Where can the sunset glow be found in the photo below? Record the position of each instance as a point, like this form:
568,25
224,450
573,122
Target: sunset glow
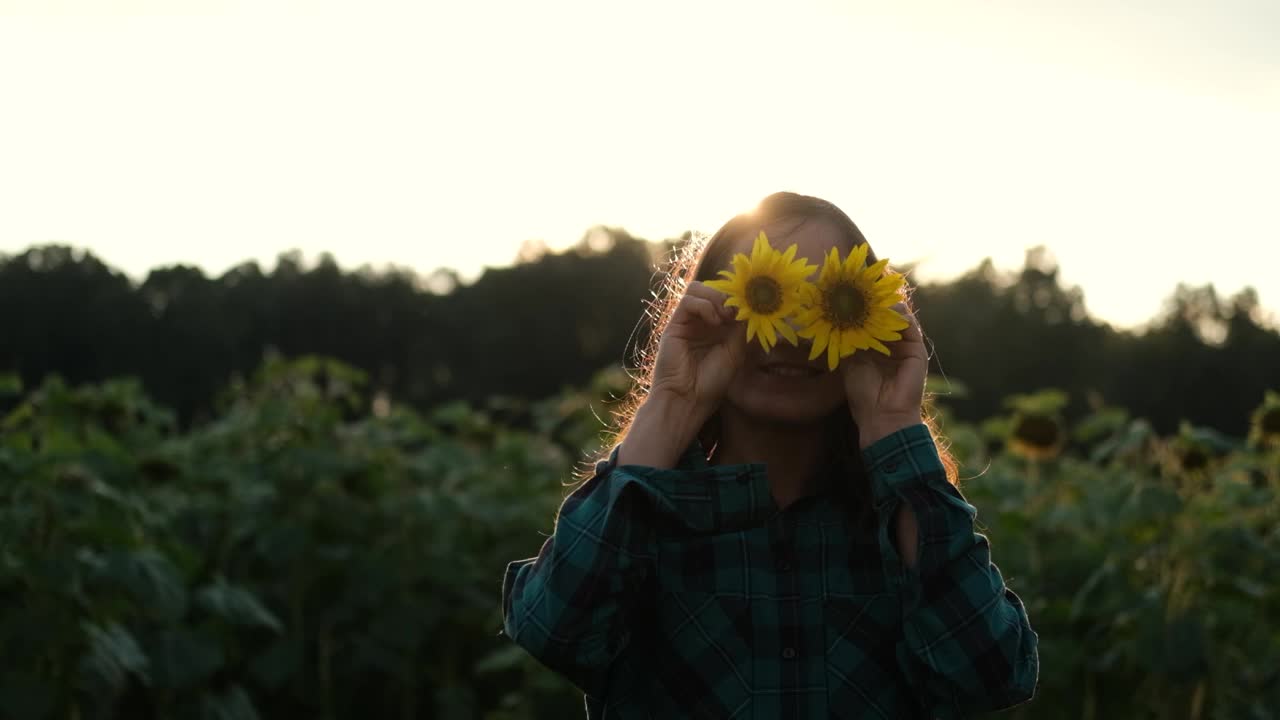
1139,145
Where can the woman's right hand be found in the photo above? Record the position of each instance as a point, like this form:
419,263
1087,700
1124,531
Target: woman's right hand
699,352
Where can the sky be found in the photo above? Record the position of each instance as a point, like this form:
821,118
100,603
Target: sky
1139,141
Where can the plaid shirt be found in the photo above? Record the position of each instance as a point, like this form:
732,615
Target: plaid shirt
689,593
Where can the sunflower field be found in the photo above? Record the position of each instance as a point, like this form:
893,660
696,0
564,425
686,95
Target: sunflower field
312,552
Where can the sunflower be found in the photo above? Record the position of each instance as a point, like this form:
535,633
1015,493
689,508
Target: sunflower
851,307
1037,436
766,288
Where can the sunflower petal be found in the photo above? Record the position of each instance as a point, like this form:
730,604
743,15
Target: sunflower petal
888,279
816,349
833,355
848,342
806,317
874,271
724,286
889,321
857,258
878,346
789,255
770,332
787,331
751,328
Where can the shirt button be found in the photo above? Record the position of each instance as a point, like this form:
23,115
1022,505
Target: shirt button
744,477
784,565
890,466
789,653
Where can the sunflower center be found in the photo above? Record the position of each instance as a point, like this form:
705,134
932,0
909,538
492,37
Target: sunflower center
1038,431
846,306
1194,459
764,295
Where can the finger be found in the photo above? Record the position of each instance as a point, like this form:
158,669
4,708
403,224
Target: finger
698,289
913,331
699,307
715,297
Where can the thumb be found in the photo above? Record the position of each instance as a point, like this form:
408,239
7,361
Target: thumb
861,377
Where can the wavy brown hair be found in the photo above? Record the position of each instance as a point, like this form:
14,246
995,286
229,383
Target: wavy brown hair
700,258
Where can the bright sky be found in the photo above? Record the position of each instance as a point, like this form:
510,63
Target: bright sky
1142,144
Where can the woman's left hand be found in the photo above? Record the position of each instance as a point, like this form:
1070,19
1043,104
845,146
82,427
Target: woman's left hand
886,393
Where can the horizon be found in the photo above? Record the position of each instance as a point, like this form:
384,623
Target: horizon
1136,144
1267,317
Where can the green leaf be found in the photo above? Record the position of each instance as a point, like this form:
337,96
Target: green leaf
1250,587
501,659
151,579
113,655
10,384
237,605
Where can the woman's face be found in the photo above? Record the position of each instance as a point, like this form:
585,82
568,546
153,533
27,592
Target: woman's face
783,385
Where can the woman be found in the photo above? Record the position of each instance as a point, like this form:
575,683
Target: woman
770,539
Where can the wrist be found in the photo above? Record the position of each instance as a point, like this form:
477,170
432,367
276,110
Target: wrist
663,428
874,430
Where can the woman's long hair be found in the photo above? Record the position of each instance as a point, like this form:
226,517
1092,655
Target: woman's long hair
700,259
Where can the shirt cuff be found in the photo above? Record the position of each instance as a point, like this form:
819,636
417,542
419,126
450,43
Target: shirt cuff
902,458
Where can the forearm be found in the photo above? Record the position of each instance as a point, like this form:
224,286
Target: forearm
662,430
947,581
568,605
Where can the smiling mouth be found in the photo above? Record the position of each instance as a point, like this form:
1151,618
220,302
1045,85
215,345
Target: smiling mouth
791,370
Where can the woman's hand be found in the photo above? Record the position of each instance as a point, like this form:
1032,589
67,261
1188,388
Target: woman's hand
700,351
886,393
698,354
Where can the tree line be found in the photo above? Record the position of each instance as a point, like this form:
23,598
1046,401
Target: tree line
553,319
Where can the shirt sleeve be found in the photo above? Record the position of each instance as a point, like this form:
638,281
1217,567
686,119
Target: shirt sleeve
968,643
569,606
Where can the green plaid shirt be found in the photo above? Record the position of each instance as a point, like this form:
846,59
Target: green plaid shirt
689,593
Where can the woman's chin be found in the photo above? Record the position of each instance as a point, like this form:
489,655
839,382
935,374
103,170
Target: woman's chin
790,408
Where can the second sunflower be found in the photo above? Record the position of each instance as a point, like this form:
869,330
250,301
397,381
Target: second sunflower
850,308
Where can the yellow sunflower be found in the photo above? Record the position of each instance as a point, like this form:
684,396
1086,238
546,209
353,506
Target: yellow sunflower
850,308
766,288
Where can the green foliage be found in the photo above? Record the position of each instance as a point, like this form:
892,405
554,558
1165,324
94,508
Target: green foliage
309,553
295,557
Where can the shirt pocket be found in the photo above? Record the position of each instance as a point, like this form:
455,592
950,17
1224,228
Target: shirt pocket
703,658
862,634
